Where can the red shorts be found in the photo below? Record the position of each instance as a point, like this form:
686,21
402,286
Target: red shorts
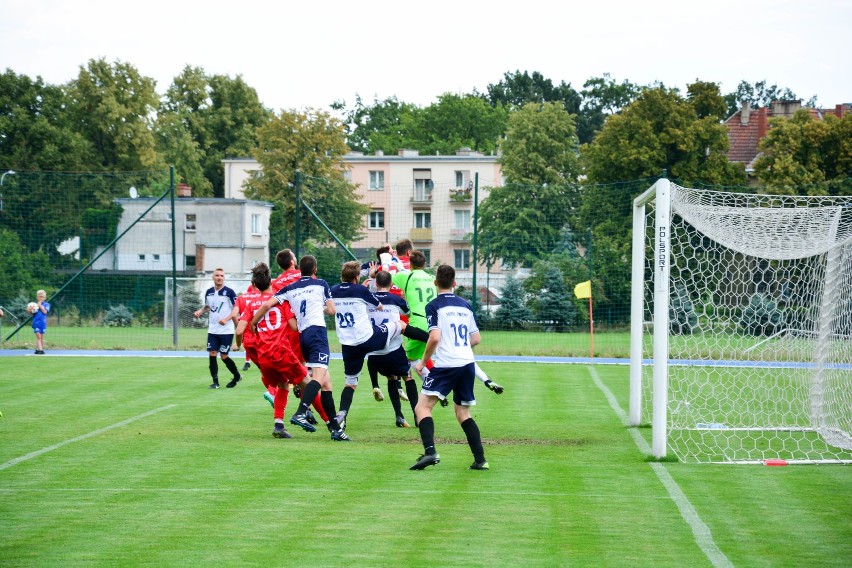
282,371
251,353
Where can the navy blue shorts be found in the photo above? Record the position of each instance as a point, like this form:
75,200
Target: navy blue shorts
220,343
353,355
459,380
393,364
314,343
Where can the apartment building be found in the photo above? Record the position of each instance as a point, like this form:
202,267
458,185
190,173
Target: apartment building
429,199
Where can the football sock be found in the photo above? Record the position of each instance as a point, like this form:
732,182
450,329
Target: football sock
374,374
393,394
471,430
232,367
411,391
280,403
416,333
427,434
318,407
214,368
346,398
308,394
328,405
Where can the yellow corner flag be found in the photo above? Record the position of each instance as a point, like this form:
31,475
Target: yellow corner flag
583,289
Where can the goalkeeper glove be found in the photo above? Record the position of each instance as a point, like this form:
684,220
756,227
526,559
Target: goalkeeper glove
494,386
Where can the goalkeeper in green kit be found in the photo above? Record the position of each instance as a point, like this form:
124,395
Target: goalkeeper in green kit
418,288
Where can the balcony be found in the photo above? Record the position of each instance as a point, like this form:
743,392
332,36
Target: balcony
461,195
421,235
459,235
421,197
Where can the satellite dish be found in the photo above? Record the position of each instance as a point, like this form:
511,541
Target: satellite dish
133,193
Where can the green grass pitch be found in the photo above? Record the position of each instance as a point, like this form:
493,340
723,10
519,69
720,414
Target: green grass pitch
134,462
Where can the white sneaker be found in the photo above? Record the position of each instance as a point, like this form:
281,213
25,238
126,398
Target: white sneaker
377,394
402,395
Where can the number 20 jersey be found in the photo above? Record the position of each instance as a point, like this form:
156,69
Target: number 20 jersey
454,317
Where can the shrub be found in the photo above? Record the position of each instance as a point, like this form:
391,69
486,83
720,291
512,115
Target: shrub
118,316
682,316
762,316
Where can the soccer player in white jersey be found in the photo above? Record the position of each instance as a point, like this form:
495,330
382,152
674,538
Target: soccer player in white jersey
392,362
452,335
310,300
220,300
357,333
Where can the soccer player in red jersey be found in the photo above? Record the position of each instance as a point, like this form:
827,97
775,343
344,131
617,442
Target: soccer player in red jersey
287,261
275,359
239,308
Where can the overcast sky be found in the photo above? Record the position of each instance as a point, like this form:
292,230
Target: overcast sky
311,53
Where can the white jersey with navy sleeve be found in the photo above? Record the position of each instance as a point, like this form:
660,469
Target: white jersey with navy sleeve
352,302
393,307
307,297
454,317
220,302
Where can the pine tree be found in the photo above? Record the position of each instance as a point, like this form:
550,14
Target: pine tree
513,311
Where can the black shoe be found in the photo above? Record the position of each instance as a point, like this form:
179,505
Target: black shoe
482,466
444,402
426,460
340,436
302,422
309,416
402,423
246,366
234,382
297,390
214,386
280,431
39,352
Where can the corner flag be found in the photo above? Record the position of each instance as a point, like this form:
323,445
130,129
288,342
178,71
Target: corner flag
583,289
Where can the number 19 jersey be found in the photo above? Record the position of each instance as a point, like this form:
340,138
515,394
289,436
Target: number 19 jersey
454,317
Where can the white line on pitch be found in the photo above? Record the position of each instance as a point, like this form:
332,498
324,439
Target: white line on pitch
300,489
97,432
703,537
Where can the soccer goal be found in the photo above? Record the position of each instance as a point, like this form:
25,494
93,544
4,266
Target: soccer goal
741,325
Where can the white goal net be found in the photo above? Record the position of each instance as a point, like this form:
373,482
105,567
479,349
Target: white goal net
741,340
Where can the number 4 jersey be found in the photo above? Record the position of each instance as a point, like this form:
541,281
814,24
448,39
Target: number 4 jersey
454,317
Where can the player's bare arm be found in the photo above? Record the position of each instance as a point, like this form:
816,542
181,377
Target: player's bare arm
431,346
329,308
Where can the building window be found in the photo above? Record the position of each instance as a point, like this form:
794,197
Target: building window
156,258
141,258
462,259
377,219
423,219
189,262
190,222
423,189
428,254
377,179
461,178
255,223
462,219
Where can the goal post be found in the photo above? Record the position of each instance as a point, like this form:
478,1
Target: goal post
741,325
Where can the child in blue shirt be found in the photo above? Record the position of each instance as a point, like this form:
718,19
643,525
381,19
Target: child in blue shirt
40,320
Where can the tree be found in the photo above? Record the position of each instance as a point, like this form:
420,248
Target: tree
384,126
311,142
22,272
602,96
522,220
552,303
459,121
37,133
112,106
659,131
759,95
205,119
804,155
513,310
